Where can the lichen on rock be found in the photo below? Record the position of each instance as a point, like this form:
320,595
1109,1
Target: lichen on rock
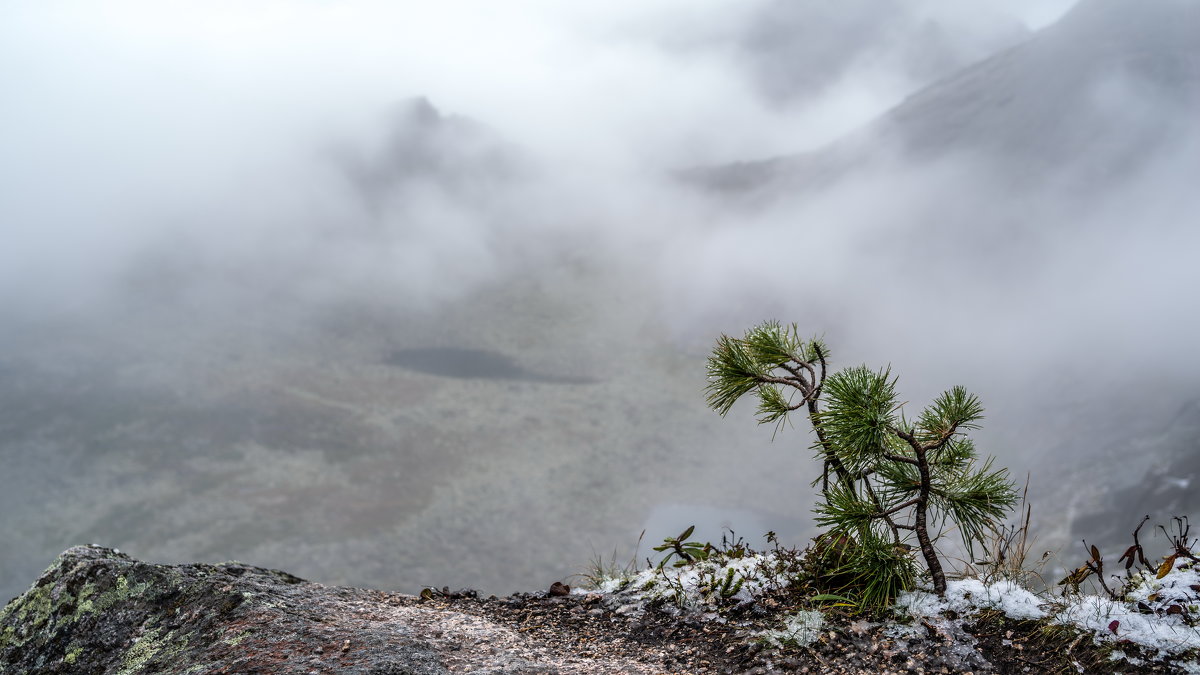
96,610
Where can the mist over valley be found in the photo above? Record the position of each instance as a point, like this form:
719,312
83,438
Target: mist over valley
393,297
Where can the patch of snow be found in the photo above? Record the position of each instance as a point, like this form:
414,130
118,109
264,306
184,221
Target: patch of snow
801,629
1150,624
1111,620
1174,588
1119,655
1154,614
967,596
903,631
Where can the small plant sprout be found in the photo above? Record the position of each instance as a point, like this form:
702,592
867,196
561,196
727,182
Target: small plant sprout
686,551
601,570
886,479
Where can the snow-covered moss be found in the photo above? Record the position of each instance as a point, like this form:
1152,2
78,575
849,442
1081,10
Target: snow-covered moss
717,579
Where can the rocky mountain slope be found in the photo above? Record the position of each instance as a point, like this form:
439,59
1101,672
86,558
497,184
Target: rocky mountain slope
1099,93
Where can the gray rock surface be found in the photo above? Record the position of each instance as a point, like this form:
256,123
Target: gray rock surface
96,610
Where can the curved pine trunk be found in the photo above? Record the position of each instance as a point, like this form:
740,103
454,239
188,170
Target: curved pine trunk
922,528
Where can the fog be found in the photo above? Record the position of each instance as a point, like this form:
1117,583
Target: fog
239,240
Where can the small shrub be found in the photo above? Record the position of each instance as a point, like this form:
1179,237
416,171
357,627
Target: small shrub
886,479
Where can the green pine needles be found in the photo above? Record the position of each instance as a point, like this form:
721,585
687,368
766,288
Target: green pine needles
887,479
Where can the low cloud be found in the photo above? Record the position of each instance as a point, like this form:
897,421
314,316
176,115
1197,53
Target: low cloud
204,150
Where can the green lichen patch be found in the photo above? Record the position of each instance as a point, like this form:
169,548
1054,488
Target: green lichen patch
87,591
28,615
72,655
237,639
100,612
143,650
157,652
121,592
70,591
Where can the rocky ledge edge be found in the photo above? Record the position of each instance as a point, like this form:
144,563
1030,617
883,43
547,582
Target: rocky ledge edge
96,610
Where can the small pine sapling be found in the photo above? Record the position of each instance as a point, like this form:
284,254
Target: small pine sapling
893,479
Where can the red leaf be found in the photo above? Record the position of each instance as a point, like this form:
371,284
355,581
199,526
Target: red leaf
1113,625
1128,555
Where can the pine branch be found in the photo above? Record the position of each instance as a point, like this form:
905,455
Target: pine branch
858,413
974,500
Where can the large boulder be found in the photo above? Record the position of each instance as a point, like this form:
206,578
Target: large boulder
96,610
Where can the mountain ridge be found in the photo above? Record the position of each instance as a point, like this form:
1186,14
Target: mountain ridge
1081,91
